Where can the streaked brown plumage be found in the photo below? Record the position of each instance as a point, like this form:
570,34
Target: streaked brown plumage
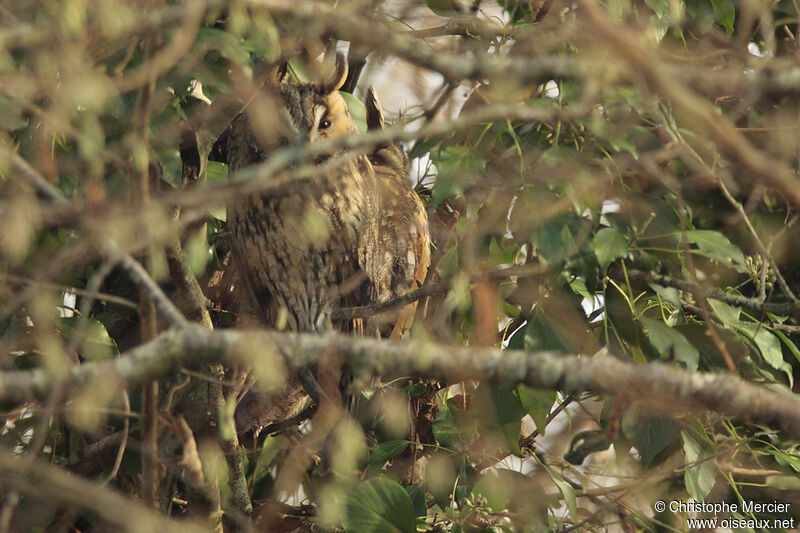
403,234
350,232
353,233
310,246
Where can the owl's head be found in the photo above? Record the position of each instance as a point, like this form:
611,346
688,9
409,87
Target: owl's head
316,110
390,156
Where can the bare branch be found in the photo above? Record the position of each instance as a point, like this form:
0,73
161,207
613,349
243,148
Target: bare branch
656,386
52,484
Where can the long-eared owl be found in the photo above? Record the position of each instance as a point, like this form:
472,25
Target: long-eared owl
403,233
349,232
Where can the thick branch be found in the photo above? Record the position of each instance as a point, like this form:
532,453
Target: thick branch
655,385
52,484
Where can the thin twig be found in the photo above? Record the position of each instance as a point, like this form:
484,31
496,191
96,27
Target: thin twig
154,292
754,304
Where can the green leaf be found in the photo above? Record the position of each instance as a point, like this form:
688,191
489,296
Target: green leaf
96,342
699,479
781,482
566,490
609,245
670,294
216,171
493,489
537,403
416,492
273,445
422,147
670,342
384,452
792,460
458,166
769,346
551,237
415,389
724,14
228,45
357,110
379,505
649,435
449,266
788,343
443,8
497,406
445,429
540,333
728,314
624,144
715,245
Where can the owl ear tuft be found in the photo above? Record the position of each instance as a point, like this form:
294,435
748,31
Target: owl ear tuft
375,120
339,76
281,73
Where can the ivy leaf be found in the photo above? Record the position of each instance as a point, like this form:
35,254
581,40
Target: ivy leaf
384,452
537,403
728,314
416,492
769,346
724,14
566,490
379,505
494,489
715,245
445,429
649,435
273,445
357,110
699,479
229,46
216,171
789,344
497,406
669,341
96,342
443,8
457,166
609,245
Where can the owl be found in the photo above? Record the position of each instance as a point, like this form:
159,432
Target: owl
403,232
349,231
311,245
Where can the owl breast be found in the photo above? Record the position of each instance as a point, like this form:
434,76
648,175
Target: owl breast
304,249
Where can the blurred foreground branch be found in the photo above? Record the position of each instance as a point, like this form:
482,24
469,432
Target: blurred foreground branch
658,387
51,483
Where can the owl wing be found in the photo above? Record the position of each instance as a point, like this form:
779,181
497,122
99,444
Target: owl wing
405,241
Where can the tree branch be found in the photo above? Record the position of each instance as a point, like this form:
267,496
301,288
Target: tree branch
656,386
754,304
52,484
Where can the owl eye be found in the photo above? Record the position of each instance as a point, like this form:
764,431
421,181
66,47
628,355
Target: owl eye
325,124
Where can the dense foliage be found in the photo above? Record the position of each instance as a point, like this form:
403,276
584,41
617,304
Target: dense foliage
609,180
